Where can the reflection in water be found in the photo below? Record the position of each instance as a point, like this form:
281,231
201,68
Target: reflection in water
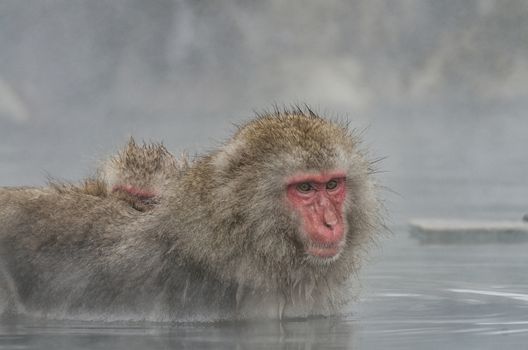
514,296
295,334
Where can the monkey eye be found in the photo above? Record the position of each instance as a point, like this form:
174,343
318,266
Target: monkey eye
331,185
304,187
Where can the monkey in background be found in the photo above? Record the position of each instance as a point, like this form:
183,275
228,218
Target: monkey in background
272,224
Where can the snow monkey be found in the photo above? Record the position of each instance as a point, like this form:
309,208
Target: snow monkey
271,224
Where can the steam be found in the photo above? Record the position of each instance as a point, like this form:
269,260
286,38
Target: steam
11,105
430,78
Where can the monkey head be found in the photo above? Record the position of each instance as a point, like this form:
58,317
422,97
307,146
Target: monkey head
304,189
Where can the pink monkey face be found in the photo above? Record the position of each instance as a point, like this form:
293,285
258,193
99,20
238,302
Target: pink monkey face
318,200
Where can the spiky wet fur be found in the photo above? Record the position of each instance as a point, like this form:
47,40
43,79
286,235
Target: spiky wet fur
220,240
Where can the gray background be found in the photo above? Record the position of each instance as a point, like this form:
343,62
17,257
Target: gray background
440,87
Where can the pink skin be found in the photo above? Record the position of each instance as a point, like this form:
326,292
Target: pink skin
134,191
320,210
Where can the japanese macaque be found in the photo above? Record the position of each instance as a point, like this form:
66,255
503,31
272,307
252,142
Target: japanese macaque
272,224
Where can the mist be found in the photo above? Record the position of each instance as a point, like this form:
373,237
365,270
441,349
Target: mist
439,88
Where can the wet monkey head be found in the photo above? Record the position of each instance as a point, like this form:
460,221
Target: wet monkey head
305,185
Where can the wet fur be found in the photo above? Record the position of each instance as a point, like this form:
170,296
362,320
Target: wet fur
218,240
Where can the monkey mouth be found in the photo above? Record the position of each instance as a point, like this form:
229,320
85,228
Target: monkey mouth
324,251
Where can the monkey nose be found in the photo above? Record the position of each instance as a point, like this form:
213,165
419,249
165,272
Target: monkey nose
330,218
